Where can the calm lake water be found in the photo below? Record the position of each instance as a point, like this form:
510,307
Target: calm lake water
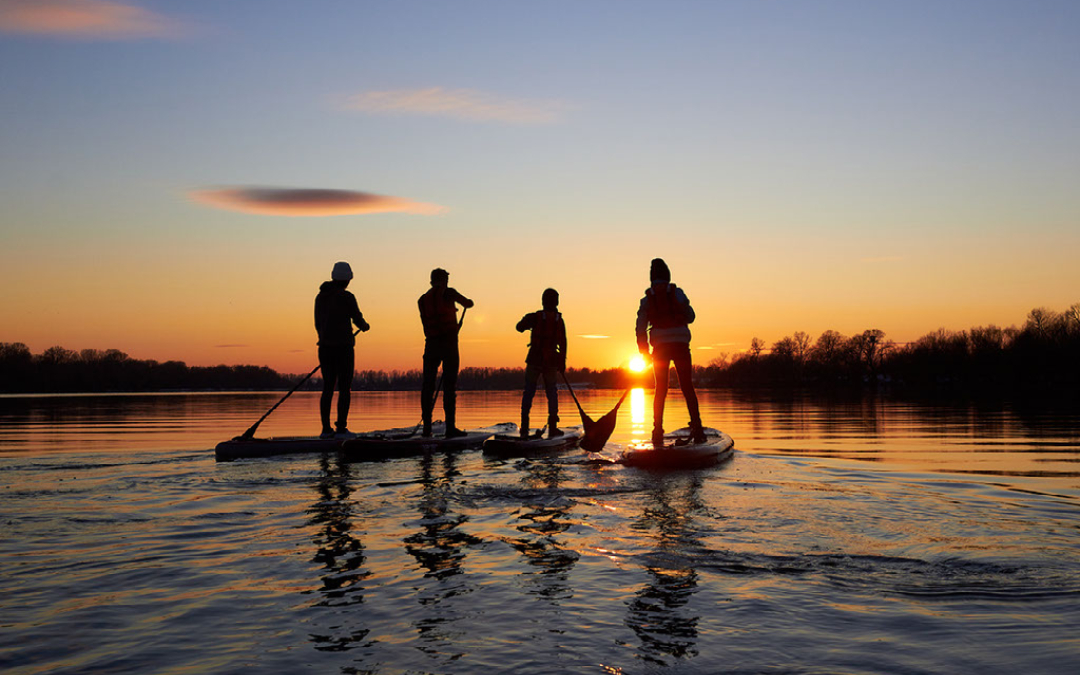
858,536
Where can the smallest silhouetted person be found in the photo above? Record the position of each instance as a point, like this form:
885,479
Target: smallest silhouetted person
546,357
438,314
335,313
663,321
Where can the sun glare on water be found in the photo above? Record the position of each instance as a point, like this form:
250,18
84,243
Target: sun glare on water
637,364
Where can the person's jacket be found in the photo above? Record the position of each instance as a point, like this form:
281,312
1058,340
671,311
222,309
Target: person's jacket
438,311
664,316
335,313
547,346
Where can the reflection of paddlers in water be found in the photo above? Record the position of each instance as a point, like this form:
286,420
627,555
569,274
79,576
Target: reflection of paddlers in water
663,321
438,313
335,313
546,357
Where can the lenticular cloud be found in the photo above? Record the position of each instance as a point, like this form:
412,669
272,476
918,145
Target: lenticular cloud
308,202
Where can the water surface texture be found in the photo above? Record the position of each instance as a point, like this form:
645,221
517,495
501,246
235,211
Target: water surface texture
861,536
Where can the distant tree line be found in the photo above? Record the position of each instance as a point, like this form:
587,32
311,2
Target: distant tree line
1042,355
59,370
492,379
91,370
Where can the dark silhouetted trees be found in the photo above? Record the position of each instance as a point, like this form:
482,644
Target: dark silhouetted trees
1043,356
90,370
492,379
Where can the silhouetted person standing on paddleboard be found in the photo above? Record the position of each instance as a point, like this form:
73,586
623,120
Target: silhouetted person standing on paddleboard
663,321
335,313
438,313
546,357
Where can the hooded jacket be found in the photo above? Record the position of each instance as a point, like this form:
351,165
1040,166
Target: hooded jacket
664,316
335,313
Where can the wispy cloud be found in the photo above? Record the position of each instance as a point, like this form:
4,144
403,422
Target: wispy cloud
229,346
270,201
87,19
464,104
595,337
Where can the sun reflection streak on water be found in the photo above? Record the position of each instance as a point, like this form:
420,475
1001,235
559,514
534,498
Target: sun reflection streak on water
637,411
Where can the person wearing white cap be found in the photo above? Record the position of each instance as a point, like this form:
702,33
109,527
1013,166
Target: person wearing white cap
335,313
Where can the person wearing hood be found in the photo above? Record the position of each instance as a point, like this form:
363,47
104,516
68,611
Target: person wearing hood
546,357
438,314
335,313
663,322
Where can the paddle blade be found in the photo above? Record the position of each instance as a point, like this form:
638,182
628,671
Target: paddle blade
597,433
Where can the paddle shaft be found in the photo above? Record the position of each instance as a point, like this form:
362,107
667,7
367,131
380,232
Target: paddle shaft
251,431
572,394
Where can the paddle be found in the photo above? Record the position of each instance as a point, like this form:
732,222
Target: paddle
250,433
596,433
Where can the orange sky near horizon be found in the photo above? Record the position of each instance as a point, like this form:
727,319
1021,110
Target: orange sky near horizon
163,310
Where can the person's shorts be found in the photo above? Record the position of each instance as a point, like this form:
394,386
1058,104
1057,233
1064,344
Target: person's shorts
671,351
337,363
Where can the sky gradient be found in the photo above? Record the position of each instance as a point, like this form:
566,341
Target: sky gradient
177,178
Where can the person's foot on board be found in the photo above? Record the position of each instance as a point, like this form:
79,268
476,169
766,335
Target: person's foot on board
697,435
524,433
426,433
326,435
344,434
454,432
555,432
658,438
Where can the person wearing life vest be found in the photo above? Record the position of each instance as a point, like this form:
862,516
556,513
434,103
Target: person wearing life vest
335,313
438,314
546,357
663,321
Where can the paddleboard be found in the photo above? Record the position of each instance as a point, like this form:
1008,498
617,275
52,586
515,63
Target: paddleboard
388,445
513,445
679,453
391,442
246,448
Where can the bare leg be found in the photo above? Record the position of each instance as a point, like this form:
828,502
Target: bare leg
660,372
685,371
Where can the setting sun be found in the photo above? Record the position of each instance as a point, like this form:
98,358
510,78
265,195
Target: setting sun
637,364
